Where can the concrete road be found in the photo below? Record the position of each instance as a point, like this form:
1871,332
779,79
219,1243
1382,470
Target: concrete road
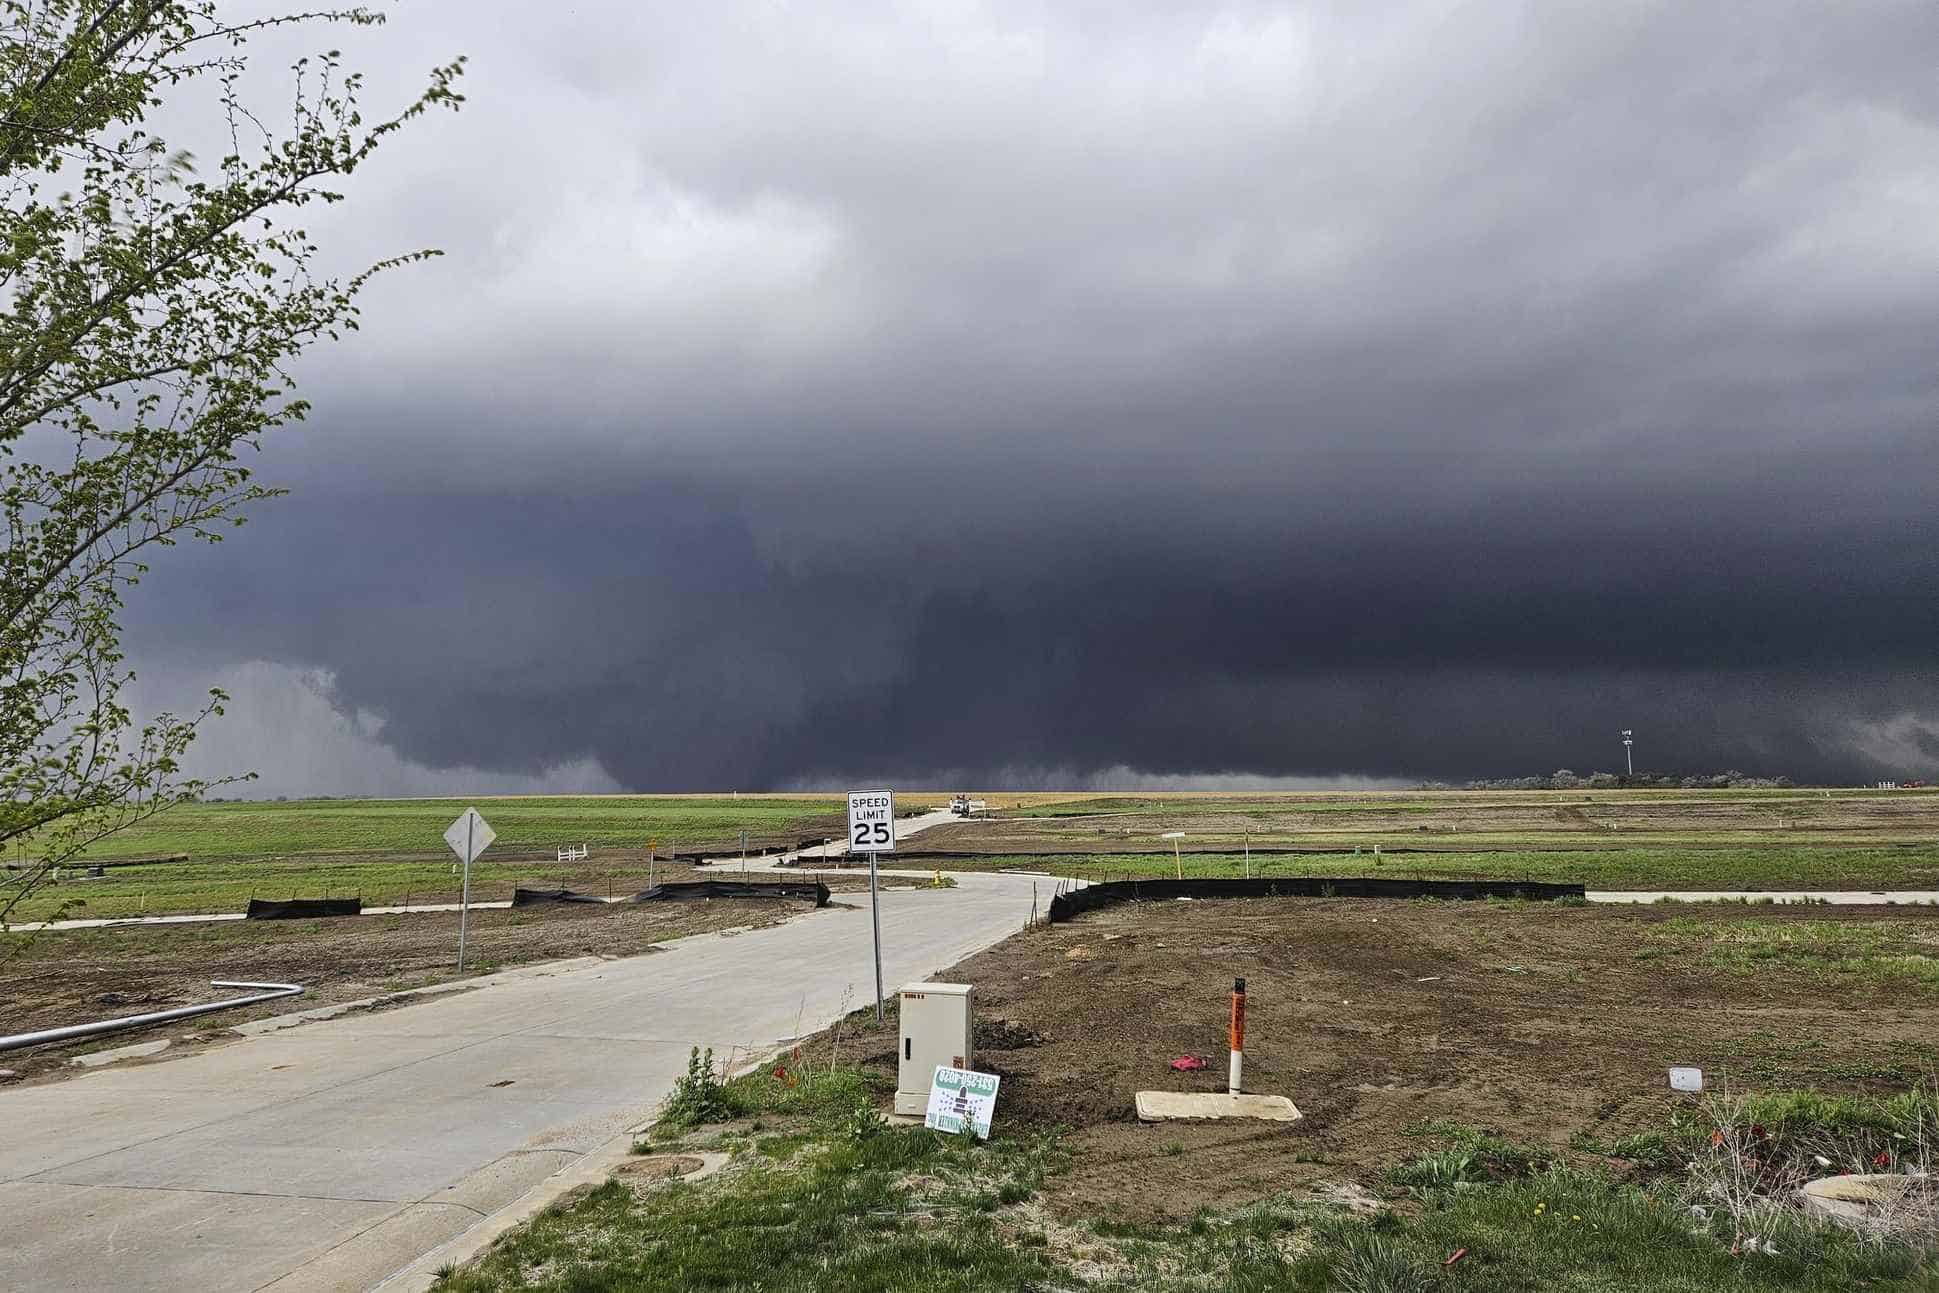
330,1155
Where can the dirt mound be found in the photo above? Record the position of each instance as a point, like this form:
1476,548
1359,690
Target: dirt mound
1004,1035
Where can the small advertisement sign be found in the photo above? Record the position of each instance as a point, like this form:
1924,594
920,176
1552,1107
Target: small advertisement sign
959,1096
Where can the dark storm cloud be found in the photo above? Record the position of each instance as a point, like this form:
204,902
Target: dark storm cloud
1417,390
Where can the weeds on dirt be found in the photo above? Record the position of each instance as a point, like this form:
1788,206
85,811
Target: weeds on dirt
1555,1228
1894,955
1565,1228
1473,1156
1374,1263
1744,1177
1819,1133
1652,1152
787,1087
1722,1210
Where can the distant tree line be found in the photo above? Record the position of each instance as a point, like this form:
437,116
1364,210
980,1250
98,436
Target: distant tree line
1563,779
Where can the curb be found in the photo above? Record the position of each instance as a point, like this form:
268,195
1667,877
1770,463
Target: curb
591,1168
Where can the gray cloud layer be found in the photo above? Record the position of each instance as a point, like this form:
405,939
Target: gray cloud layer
1419,389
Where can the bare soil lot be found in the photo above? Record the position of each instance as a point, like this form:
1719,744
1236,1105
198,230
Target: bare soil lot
74,976
1377,1017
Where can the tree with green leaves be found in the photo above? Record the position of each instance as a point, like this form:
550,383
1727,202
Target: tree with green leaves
152,305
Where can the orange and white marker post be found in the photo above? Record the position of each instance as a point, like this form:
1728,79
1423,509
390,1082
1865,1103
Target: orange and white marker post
1238,1033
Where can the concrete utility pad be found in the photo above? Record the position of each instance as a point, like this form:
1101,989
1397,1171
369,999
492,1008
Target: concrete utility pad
1867,1199
1169,1106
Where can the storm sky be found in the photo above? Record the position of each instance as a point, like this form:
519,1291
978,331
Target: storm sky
1087,394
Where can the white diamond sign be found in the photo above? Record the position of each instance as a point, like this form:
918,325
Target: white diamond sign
469,836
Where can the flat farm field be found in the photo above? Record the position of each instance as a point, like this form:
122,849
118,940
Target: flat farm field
1640,839
525,824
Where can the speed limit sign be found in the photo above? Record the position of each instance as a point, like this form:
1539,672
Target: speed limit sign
871,821
871,830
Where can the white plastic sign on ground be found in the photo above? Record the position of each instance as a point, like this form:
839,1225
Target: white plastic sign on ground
959,1096
871,821
469,835
1682,1079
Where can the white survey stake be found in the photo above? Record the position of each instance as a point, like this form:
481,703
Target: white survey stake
871,821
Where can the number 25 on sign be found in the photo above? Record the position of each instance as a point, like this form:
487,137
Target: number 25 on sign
871,821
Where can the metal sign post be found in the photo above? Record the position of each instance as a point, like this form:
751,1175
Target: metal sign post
871,830
469,836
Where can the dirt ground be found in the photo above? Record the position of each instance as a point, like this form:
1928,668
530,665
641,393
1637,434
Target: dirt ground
1376,1016
79,975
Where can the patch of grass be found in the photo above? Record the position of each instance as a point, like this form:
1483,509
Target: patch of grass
228,885
1556,1229
781,1147
1853,1131
1472,1156
257,828
387,851
1651,1151
801,1091
1785,1061
1694,866
895,1209
1372,1262
1900,954
1564,1229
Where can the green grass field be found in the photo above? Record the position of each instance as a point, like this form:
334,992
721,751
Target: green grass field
1776,867
388,851
228,885
413,826
1425,801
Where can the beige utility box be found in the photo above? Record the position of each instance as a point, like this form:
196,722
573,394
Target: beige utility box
938,1029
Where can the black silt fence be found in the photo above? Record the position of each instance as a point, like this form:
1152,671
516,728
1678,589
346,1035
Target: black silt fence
807,891
533,897
1075,902
303,908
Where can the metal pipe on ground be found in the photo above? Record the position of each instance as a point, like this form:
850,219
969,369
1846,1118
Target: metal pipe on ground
74,1032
